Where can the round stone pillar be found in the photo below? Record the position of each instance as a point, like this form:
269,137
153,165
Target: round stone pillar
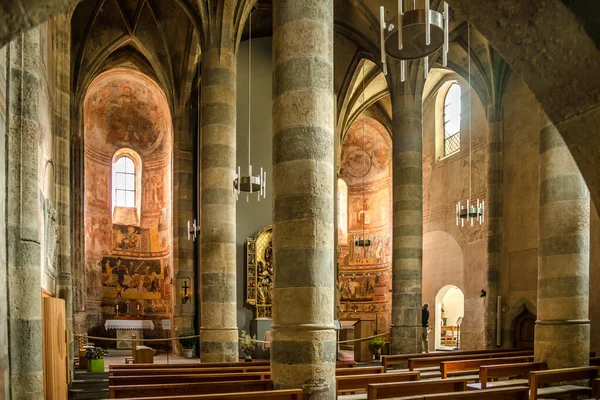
562,330
218,322
23,219
407,254
304,342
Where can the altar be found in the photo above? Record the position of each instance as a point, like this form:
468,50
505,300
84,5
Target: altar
127,327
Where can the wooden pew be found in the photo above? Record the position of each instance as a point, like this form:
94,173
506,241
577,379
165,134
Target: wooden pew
595,361
537,380
182,378
188,388
402,359
195,365
596,388
339,364
461,366
510,393
414,363
389,390
288,394
174,371
506,371
358,371
355,383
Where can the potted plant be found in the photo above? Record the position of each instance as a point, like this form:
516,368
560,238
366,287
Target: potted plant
376,344
187,343
247,345
95,359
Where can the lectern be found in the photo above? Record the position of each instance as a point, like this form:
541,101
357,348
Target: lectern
363,328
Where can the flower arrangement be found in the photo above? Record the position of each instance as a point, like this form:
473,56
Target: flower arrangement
377,343
246,343
95,353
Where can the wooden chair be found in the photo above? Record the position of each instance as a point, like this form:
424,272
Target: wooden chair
390,390
538,379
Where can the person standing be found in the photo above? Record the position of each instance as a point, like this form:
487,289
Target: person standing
425,327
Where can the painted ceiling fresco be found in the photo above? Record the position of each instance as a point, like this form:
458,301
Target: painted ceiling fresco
126,108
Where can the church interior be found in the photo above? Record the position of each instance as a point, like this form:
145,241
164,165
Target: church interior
303,188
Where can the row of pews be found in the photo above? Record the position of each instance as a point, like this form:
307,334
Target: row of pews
484,374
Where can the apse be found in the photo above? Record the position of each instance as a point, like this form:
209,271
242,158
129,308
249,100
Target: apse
128,202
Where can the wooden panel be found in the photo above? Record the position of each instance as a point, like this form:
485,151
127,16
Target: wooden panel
54,349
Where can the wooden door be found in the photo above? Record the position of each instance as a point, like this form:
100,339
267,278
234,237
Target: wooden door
524,330
55,349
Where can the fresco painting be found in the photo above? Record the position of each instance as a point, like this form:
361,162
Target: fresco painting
135,279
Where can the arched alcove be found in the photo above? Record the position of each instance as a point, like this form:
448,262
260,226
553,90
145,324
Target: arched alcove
450,307
128,244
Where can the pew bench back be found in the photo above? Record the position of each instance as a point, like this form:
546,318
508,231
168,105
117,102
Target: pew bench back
457,366
414,363
390,390
538,379
288,394
188,388
355,383
520,370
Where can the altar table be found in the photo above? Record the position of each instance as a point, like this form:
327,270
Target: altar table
127,327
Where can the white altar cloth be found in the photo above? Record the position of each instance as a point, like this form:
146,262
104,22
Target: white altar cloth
129,324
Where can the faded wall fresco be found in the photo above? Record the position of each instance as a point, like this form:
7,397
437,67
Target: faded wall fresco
128,249
364,282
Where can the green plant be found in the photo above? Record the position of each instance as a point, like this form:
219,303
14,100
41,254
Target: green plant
246,342
96,353
377,343
186,341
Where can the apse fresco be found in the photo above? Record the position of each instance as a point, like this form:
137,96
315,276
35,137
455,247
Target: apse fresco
135,279
364,281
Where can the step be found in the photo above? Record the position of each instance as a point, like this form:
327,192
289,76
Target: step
84,375
90,384
82,394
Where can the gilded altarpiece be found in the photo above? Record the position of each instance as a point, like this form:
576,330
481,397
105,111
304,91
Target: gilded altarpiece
259,272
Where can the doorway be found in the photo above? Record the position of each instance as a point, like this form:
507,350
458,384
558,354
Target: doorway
524,330
449,309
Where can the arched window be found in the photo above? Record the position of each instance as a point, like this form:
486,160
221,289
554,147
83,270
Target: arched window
452,108
342,212
124,193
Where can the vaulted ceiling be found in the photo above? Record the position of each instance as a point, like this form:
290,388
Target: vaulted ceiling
155,37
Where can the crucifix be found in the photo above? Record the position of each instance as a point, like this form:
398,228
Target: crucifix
186,295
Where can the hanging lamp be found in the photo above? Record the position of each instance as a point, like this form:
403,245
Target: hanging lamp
250,183
363,241
473,211
412,34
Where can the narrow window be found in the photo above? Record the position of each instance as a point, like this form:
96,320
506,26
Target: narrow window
342,211
124,183
452,109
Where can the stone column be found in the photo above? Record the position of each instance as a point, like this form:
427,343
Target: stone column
303,348
218,325
407,254
23,217
562,330
493,210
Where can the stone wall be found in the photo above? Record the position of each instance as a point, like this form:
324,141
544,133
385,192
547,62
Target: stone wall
523,119
4,367
453,255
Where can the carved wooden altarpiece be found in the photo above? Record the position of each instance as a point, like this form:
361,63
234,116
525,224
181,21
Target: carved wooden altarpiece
259,272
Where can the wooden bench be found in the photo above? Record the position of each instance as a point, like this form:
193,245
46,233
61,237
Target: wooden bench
195,365
596,388
389,390
511,375
414,363
595,361
355,383
358,371
188,388
537,380
182,378
461,366
288,394
174,371
402,359
510,393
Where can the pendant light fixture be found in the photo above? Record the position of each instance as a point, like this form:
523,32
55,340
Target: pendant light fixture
250,183
364,240
473,211
413,34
